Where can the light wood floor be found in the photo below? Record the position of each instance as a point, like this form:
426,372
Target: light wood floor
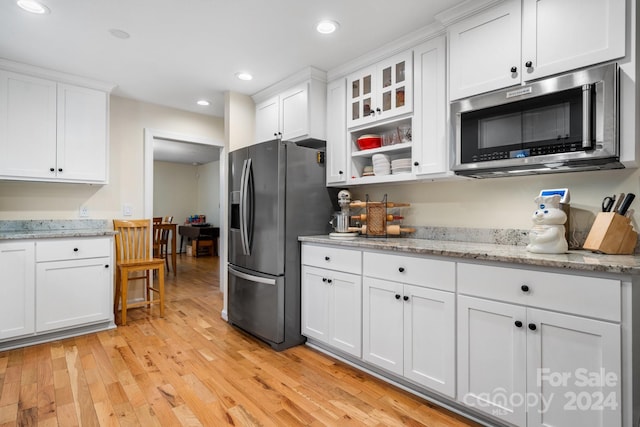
191,368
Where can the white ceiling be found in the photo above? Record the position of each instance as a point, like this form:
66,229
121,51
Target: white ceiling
184,50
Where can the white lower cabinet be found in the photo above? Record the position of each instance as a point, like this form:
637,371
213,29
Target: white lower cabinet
534,367
17,287
72,293
409,329
54,285
332,297
331,303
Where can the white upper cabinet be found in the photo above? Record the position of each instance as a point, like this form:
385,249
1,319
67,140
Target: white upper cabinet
483,51
381,91
569,34
295,113
336,158
51,131
82,134
521,40
429,153
27,126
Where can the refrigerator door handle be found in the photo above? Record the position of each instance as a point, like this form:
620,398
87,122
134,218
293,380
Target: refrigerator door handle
246,246
251,277
243,207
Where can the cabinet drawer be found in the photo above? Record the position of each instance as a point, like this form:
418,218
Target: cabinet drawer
346,260
587,296
411,270
69,249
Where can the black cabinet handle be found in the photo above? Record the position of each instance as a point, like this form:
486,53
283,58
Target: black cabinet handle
340,172
514,69
397,296
59,169
401,269
106,266
524,288
416,163
329,281
378,110
532,326
52,169
528,64
327,258
518,324
324,279
75,249
275,134
406,298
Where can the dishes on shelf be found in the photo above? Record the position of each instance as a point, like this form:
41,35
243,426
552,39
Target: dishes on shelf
399,166
381,164
368,171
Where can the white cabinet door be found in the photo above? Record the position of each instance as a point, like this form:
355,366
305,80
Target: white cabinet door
430,148
294,113
492,341
382,324
336,154
82,134
345,312
394,86
331,308
554,43
361,97
484,49
573,363
73,293
429,338
17,264
27,126
267,120
315,304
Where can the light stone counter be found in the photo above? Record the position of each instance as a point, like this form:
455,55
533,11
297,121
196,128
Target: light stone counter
574,259
42,229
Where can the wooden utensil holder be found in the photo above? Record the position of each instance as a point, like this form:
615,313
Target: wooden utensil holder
612,234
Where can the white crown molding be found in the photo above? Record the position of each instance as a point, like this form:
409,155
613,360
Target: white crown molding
306,74
399,45
463,10
44,73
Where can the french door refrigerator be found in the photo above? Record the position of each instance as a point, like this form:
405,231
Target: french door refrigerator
277,193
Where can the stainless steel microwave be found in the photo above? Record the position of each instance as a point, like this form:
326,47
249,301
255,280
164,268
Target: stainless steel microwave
559,124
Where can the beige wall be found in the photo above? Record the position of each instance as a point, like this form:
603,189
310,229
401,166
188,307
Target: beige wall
240,121
181,190
503,203
128,118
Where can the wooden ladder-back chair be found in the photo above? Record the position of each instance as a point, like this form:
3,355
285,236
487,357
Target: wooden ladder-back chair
134,255
161,239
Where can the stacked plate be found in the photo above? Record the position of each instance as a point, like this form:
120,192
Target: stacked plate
381,164
401,166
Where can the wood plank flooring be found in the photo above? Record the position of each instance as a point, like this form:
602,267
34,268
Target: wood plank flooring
191,368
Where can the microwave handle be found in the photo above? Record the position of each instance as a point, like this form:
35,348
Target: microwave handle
586,117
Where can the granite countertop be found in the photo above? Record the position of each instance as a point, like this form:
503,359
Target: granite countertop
43,229
574,259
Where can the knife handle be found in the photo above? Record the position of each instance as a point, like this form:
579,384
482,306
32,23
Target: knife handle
626,203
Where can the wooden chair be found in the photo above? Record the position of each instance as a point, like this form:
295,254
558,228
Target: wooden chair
133,255
161,239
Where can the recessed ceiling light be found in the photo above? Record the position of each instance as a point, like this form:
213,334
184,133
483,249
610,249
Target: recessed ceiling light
327,27
33,6
244,76
120,34
203,102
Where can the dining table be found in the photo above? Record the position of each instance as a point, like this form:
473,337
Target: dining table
172,239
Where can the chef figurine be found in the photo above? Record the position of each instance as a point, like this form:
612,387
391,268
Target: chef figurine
547,235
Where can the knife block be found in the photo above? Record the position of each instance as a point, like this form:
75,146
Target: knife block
611,233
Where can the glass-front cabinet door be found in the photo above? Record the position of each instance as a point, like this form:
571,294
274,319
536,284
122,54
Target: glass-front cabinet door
380,92
360,97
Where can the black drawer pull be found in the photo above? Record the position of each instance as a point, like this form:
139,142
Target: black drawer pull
75,249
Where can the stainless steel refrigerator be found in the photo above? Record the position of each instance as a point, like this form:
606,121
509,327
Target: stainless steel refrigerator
277,193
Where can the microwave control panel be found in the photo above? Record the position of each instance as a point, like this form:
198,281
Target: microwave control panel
527,152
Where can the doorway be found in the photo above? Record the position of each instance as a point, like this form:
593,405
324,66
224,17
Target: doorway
151,138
